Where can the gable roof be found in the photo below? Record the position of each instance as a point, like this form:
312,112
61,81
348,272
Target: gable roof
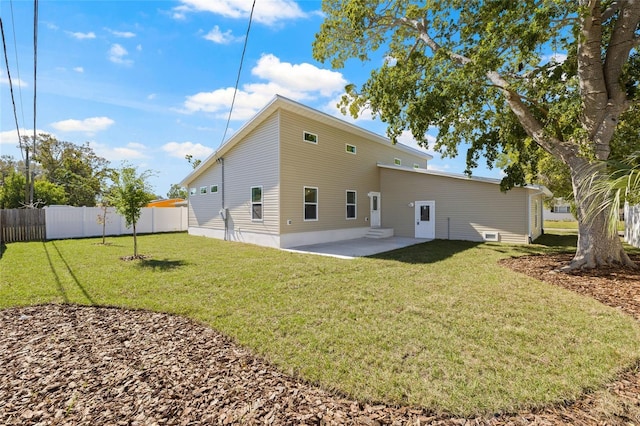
540,188
282,103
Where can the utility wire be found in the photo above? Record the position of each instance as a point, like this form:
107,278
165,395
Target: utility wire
235,90
13,101
35,91
15,50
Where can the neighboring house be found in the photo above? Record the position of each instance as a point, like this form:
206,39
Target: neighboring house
560,209
293,176
170,202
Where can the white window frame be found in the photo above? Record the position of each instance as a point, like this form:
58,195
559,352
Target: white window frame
397,162
305,203
253,203
212,187
346,148
354,204
416,165
203,190
193,191
312,135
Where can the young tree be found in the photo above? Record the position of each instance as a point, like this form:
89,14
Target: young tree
129,193
559,73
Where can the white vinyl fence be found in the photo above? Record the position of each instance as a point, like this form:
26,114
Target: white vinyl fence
632,224
77,222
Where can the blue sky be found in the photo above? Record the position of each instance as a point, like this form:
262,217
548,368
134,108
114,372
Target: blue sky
151,81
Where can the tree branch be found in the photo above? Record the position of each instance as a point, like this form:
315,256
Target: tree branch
610,11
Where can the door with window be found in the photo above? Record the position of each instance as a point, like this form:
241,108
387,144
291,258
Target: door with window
374,199
425,219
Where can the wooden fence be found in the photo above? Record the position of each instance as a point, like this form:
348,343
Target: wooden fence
22,225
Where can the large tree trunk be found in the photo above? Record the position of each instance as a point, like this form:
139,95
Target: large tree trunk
597,245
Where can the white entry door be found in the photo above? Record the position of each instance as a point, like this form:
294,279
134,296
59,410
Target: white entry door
374,201
425,219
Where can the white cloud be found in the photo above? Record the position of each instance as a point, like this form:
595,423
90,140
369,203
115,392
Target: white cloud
266,12
51,26
180,149
117,55
406,138
82,36
122,34
217,36
558,58
131,151
11,136
296,81
301,77
79,69
151,96
16,82
88,125
139,48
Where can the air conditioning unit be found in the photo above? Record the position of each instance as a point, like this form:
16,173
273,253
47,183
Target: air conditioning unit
491,236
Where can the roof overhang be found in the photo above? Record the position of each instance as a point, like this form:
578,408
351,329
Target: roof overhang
282,103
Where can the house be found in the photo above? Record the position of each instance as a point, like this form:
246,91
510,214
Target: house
294,176
169,202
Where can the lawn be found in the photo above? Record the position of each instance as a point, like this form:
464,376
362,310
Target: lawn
439,325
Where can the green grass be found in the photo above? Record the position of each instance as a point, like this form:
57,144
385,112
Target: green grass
569,225
439,325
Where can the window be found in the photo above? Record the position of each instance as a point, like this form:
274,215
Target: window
203,189
256,203
310,137
213,189
351,149
351,205
310,203
192,191
416,165
397,162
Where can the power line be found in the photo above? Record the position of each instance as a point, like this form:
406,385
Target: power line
15,51
35,91
13,101
235,90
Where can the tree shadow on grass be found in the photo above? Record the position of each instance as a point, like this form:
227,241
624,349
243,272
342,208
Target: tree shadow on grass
3,248
161,265
430,252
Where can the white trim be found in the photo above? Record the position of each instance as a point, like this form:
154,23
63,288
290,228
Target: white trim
304,137
304,203
211,191
251,203
203,190
397,161
193,191
347,204
346,148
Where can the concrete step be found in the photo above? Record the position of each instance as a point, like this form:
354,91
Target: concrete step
379,233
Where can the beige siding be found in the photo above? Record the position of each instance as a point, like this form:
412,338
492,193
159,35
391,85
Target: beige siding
328,167
204,208
464,209
254,162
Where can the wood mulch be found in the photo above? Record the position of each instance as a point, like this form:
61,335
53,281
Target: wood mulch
76,365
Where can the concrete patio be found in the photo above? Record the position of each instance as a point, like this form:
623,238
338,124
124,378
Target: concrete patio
359,247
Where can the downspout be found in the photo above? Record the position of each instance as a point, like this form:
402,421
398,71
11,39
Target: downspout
223,211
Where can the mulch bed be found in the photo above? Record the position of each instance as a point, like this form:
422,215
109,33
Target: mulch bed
75,365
